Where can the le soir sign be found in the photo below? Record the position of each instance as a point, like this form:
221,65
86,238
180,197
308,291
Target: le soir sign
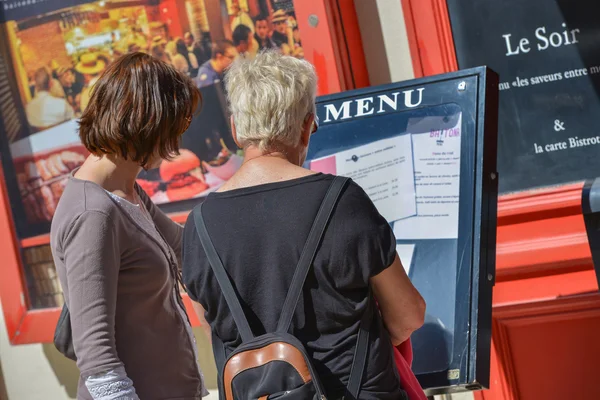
547,53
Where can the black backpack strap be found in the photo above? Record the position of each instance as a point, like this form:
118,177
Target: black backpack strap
231,297
361,350
309,251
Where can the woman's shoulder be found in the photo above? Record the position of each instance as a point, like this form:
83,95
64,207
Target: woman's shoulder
355,200
356,214
352,196
82,198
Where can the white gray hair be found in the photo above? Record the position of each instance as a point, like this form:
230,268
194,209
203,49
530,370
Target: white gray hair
270,96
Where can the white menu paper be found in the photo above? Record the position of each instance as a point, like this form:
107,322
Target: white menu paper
436,154
384,169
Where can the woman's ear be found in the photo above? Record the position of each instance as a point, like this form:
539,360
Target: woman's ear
307,128
234,132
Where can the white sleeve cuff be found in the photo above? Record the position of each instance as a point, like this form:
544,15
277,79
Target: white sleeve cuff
111,385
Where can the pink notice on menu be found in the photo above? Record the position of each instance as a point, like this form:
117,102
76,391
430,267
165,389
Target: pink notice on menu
325,165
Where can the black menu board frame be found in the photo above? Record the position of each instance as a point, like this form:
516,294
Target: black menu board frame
357,118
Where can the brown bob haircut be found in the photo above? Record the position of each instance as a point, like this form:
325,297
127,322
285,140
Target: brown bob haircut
139,108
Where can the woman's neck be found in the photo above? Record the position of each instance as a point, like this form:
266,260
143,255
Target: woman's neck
262,168
254,154
114,174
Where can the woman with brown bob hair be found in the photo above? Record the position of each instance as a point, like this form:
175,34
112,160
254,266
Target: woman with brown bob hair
117,254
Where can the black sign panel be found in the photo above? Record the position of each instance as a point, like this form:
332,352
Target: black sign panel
547,53
425,153
22,9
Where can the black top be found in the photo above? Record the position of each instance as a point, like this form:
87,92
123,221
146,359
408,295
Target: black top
259,233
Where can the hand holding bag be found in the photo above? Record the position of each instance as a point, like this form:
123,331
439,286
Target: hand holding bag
403,356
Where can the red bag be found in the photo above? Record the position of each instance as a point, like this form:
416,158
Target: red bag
403,356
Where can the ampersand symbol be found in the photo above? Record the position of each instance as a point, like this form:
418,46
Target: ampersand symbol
558,125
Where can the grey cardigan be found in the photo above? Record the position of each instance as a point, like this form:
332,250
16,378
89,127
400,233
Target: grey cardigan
119,289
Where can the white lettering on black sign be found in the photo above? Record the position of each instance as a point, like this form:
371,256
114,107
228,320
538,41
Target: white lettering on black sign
373,104
545,40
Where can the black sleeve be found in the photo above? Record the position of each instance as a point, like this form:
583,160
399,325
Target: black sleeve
363,242
194,260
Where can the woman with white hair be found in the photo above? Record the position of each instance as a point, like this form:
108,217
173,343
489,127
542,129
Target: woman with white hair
260,220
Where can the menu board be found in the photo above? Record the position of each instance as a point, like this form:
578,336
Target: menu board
52,52
547,53
424,152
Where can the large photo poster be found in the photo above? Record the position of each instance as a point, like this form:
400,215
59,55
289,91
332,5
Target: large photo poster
52,61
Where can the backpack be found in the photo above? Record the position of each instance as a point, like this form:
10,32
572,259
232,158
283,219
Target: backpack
276,365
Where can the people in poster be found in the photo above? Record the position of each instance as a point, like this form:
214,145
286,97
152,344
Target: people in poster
72,84
281,28
90,66
262,32
244,42
58,57
240,17
158,51
45,110
211,72
197,47
184,60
